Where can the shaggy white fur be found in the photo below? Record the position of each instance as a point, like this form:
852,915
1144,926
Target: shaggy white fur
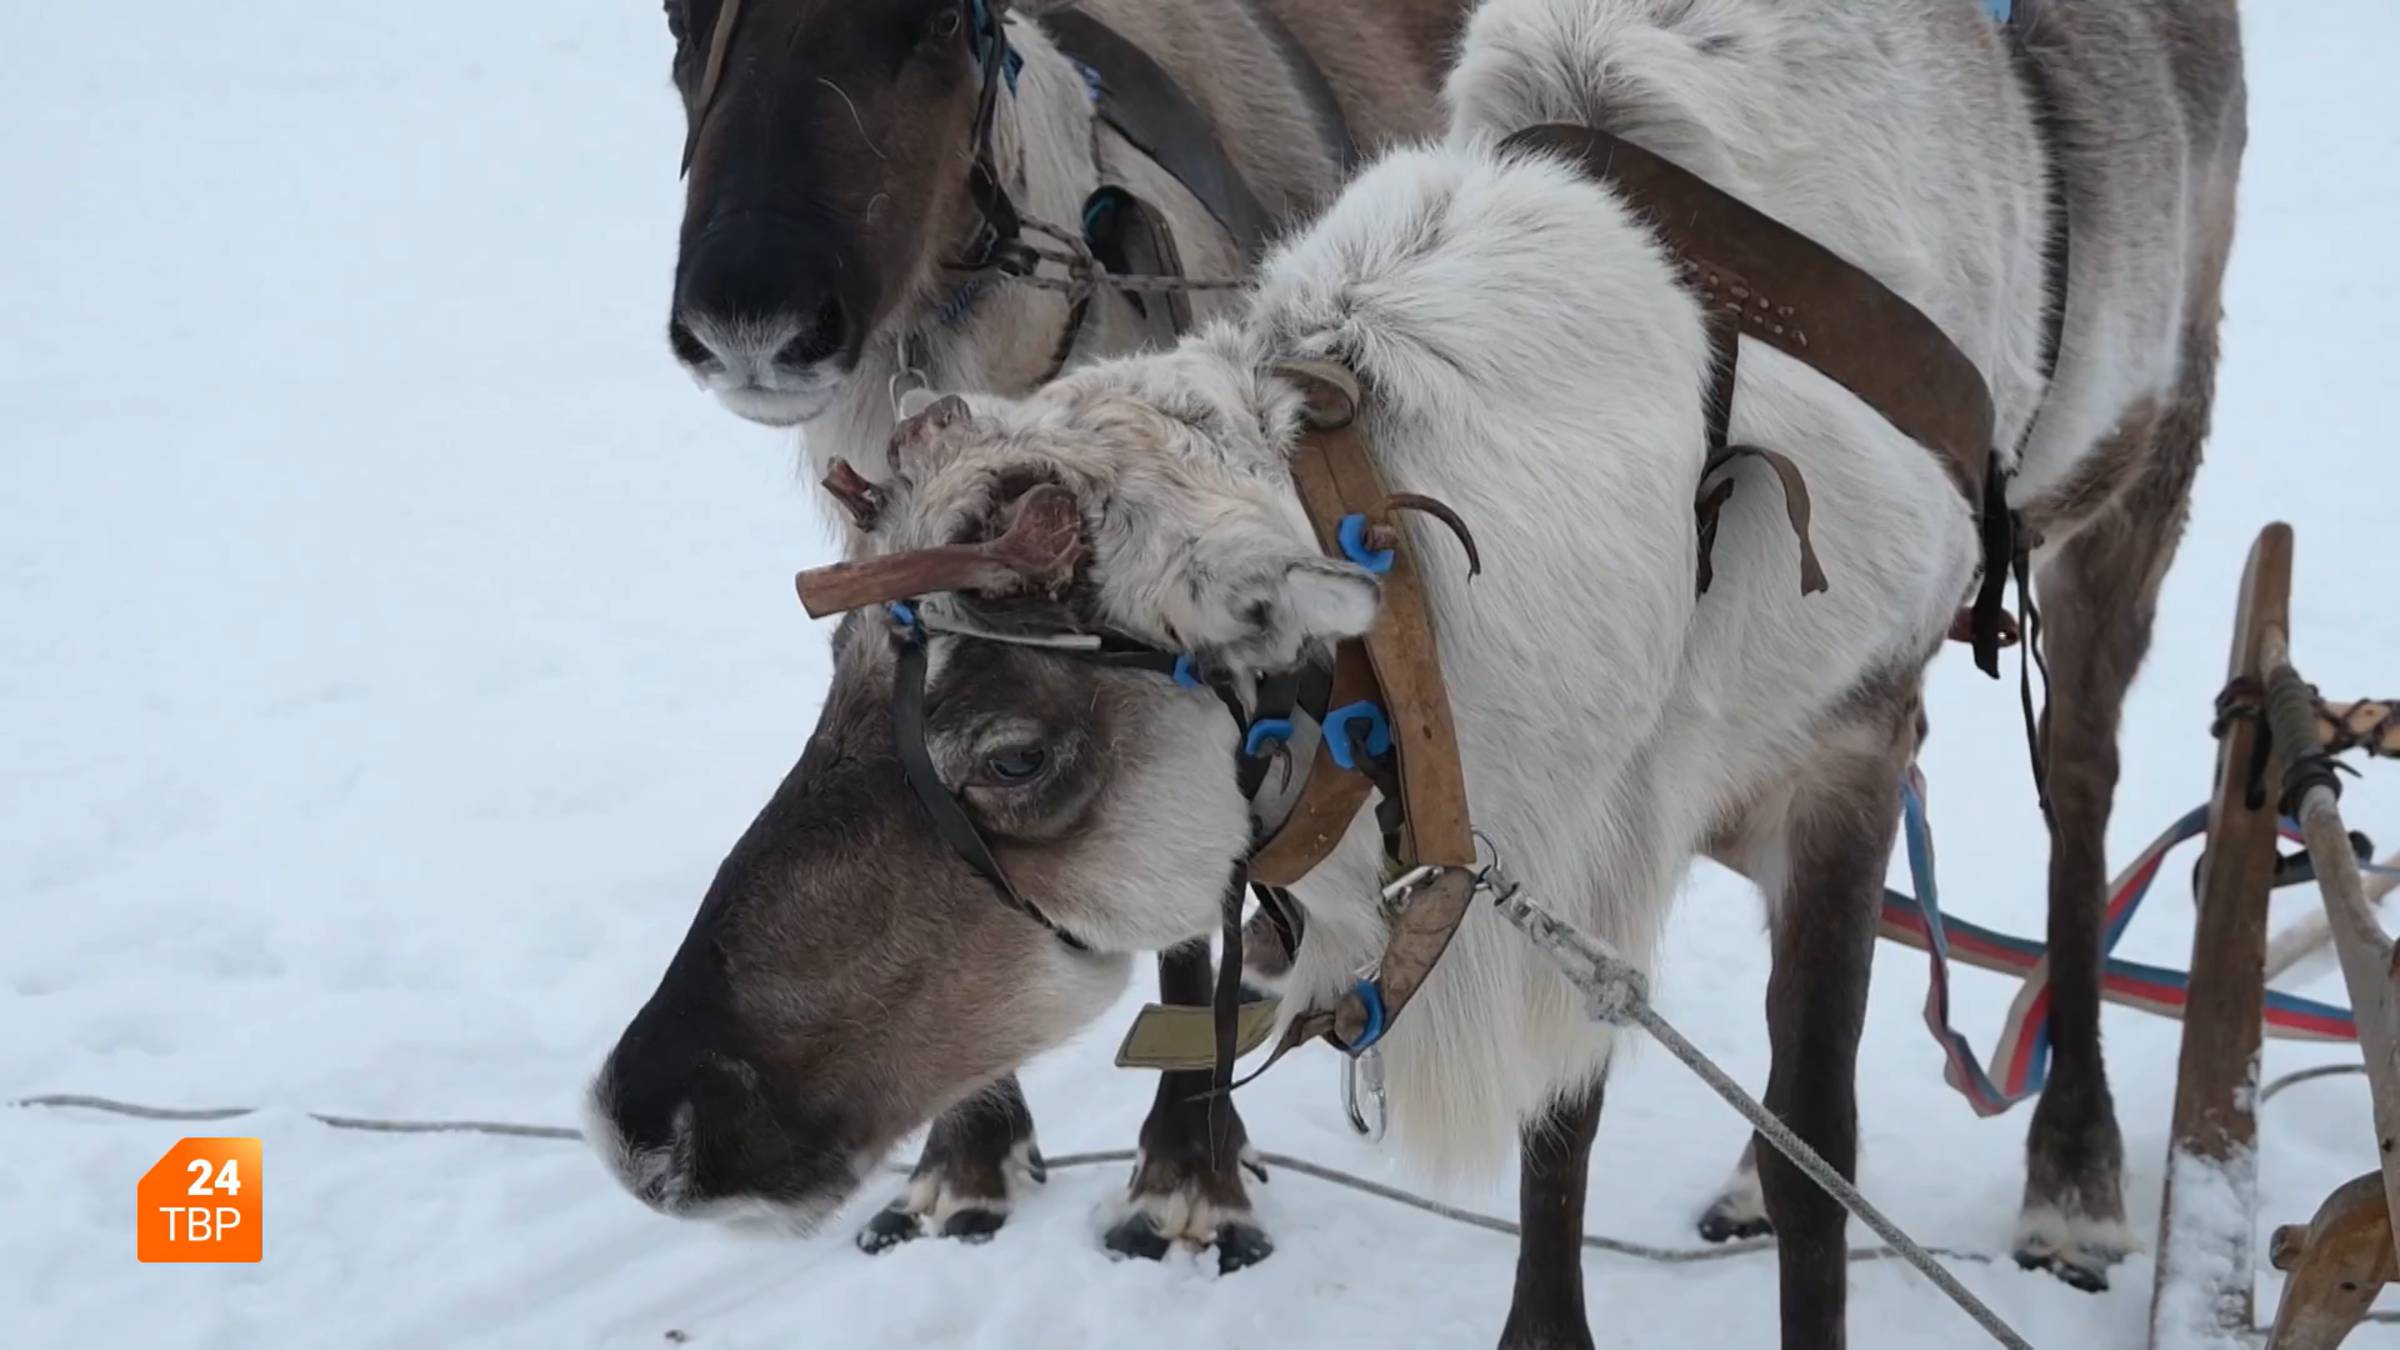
1530,358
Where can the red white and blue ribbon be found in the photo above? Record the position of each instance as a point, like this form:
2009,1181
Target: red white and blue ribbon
2022,1059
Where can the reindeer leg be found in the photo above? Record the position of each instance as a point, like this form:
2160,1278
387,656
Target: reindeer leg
978,1157
2099,595
1187,1178
1546,1312
1837,839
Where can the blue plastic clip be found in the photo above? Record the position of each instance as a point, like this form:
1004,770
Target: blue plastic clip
1344,743
1353,536
1371,994
905,614
1264,732
1186,674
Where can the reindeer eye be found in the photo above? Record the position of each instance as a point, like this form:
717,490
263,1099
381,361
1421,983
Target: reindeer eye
1016,765
943,26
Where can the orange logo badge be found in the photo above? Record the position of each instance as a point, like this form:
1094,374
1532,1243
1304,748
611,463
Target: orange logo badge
201,1203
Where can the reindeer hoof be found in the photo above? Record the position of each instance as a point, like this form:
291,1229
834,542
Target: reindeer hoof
973,1225
2078,1250
899,1222
888,1229
1240,1245
1722,1223
1185,1200
1740,1210
1137,1235
2074,1272
954,1199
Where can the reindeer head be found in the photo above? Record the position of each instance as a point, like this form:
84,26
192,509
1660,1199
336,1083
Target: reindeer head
850,973
827,153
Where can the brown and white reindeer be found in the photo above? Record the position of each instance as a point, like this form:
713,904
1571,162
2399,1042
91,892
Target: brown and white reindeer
1532,355
828,210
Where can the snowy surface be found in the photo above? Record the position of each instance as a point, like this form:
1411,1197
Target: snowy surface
2207,1246
391,641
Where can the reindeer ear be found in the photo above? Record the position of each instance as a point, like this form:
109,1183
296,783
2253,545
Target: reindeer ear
1331,600
862,499
1251,601
925,436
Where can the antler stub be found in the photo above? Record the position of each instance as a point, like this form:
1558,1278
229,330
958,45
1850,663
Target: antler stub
1038,551
859,496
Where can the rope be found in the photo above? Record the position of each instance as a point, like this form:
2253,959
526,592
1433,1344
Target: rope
1616,992
1640,1251
2298,1076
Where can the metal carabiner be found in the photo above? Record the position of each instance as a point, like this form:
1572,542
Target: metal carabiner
1405,885
1362,1082
908,352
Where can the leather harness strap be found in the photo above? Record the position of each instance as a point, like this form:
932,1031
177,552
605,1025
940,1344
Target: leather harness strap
1780,287
1759,278
1337,478
1144,105
1331,796
1128,237
1755,277
1335,474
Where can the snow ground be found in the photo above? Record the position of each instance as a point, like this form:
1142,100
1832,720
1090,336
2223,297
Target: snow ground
390,643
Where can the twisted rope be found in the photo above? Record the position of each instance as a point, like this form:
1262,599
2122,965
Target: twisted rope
1640,1251
1593,1241
1615,992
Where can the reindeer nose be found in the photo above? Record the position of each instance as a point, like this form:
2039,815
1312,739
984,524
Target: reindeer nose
751,295
681,1131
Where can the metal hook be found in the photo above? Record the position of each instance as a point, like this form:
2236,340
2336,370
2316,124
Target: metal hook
1439,510
907,356
1362,1083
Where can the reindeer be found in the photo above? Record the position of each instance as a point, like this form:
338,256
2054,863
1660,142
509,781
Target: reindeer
829,205
1532,354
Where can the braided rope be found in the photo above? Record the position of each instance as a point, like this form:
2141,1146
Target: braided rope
1615,991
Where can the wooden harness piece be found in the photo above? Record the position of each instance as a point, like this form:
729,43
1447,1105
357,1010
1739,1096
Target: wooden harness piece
1335,472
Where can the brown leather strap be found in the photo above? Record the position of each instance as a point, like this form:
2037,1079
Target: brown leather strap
1786,290
1336,477
1129,237
1176,1036
1795,509
1420,934
1332,796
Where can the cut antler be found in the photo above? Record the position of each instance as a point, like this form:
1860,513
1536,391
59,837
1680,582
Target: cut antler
1037,552
860,497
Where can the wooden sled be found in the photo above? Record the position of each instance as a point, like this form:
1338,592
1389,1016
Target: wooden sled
2269,763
